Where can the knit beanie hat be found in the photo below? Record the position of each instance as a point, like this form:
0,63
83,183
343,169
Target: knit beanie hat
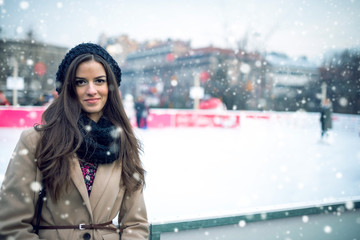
82,49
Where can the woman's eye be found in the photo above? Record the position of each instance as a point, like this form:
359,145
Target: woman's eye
80,82
100,81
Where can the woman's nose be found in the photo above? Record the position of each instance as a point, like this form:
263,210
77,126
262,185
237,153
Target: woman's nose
91,90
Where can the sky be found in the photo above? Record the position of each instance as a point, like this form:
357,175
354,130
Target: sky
294,27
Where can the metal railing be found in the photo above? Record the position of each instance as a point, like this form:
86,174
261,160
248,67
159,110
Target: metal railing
328,221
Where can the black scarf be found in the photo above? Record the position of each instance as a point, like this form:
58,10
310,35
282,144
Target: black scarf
101,140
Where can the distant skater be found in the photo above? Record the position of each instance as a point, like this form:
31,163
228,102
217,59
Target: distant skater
325,117
3,100
141,112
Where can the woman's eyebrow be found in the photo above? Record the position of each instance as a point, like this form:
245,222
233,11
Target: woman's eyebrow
101,76
81,78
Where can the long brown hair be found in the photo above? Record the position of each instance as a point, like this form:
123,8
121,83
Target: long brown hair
60,136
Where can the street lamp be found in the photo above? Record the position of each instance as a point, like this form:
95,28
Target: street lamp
14,82
196,92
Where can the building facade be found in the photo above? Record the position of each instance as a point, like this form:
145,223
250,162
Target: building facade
36,63
166,72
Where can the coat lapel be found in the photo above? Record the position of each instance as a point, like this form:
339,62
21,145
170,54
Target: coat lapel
78,180
102,178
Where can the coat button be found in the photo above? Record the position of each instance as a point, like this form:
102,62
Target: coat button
86,236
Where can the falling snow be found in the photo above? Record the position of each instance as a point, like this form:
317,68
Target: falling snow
136,176
229,171
24,5
35,186
242,223
23,152
327,229
305,219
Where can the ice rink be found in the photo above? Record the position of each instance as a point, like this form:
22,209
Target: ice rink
206,172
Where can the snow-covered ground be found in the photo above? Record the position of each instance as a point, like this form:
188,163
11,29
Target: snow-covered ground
207,172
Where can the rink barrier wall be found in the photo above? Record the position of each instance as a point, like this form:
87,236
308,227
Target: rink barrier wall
330,221
23,117
20,117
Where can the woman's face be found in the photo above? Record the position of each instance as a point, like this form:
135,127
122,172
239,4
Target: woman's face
91,88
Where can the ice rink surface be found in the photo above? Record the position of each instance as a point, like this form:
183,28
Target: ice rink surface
205,172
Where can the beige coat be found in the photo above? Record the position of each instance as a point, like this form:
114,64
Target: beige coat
18,198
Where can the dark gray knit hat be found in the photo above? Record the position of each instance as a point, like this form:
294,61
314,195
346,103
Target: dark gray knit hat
78,50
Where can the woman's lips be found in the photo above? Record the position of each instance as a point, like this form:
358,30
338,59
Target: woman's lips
92,100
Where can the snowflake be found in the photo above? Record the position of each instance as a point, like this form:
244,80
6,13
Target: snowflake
327,229
24,5
242,223
305,219
35,186
23,152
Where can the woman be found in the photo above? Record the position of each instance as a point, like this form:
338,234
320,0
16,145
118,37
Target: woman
86,157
